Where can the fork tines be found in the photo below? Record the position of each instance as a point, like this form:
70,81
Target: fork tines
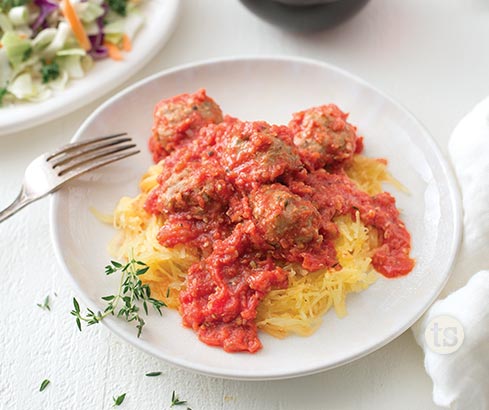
90,154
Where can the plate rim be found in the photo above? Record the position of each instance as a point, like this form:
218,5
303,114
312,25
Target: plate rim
77,101
452,187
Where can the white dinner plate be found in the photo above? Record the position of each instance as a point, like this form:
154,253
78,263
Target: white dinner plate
161,17
269,89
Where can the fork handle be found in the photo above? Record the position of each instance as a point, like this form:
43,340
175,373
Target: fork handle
19,202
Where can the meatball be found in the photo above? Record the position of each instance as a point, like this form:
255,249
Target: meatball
178,119
284,219
255,152
200,190
323,136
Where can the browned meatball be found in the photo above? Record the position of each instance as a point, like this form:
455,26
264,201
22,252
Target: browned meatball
200,190
178,119
323,136
284,219
255,152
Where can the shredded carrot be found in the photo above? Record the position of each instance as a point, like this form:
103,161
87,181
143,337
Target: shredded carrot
114,52
126,43
76,25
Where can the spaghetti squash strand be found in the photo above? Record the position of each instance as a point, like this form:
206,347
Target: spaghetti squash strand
297,309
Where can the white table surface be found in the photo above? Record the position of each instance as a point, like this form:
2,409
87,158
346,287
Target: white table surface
430,55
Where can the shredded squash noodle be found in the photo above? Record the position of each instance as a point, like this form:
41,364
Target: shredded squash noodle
299,308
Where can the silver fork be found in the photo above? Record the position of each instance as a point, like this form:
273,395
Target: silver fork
50,171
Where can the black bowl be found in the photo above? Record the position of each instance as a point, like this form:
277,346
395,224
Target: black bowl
304,17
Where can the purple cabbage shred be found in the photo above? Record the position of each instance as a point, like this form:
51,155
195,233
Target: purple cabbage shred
46,7
98,50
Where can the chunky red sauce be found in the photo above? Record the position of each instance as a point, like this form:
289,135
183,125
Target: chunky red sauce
251,196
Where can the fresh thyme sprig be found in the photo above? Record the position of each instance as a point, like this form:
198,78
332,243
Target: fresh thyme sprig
45,305
118,400
131,292
175,401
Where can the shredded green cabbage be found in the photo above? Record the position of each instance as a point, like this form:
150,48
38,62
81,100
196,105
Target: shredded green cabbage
17,48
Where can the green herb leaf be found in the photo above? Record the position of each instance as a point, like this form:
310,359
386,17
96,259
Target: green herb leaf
108,298
142,271
3,93
45,305
49,72
44,384
76,305
175,401
153,374
119,400
116,264
119,6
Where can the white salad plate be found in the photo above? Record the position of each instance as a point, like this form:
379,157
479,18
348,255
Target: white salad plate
271,89
161,17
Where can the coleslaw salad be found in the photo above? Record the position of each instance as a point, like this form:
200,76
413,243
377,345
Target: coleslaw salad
46,43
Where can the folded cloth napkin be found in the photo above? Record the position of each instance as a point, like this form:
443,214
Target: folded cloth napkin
460,373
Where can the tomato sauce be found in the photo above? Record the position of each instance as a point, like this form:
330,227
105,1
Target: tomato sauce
250,197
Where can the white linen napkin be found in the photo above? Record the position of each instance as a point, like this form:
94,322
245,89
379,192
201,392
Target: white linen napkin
461,378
